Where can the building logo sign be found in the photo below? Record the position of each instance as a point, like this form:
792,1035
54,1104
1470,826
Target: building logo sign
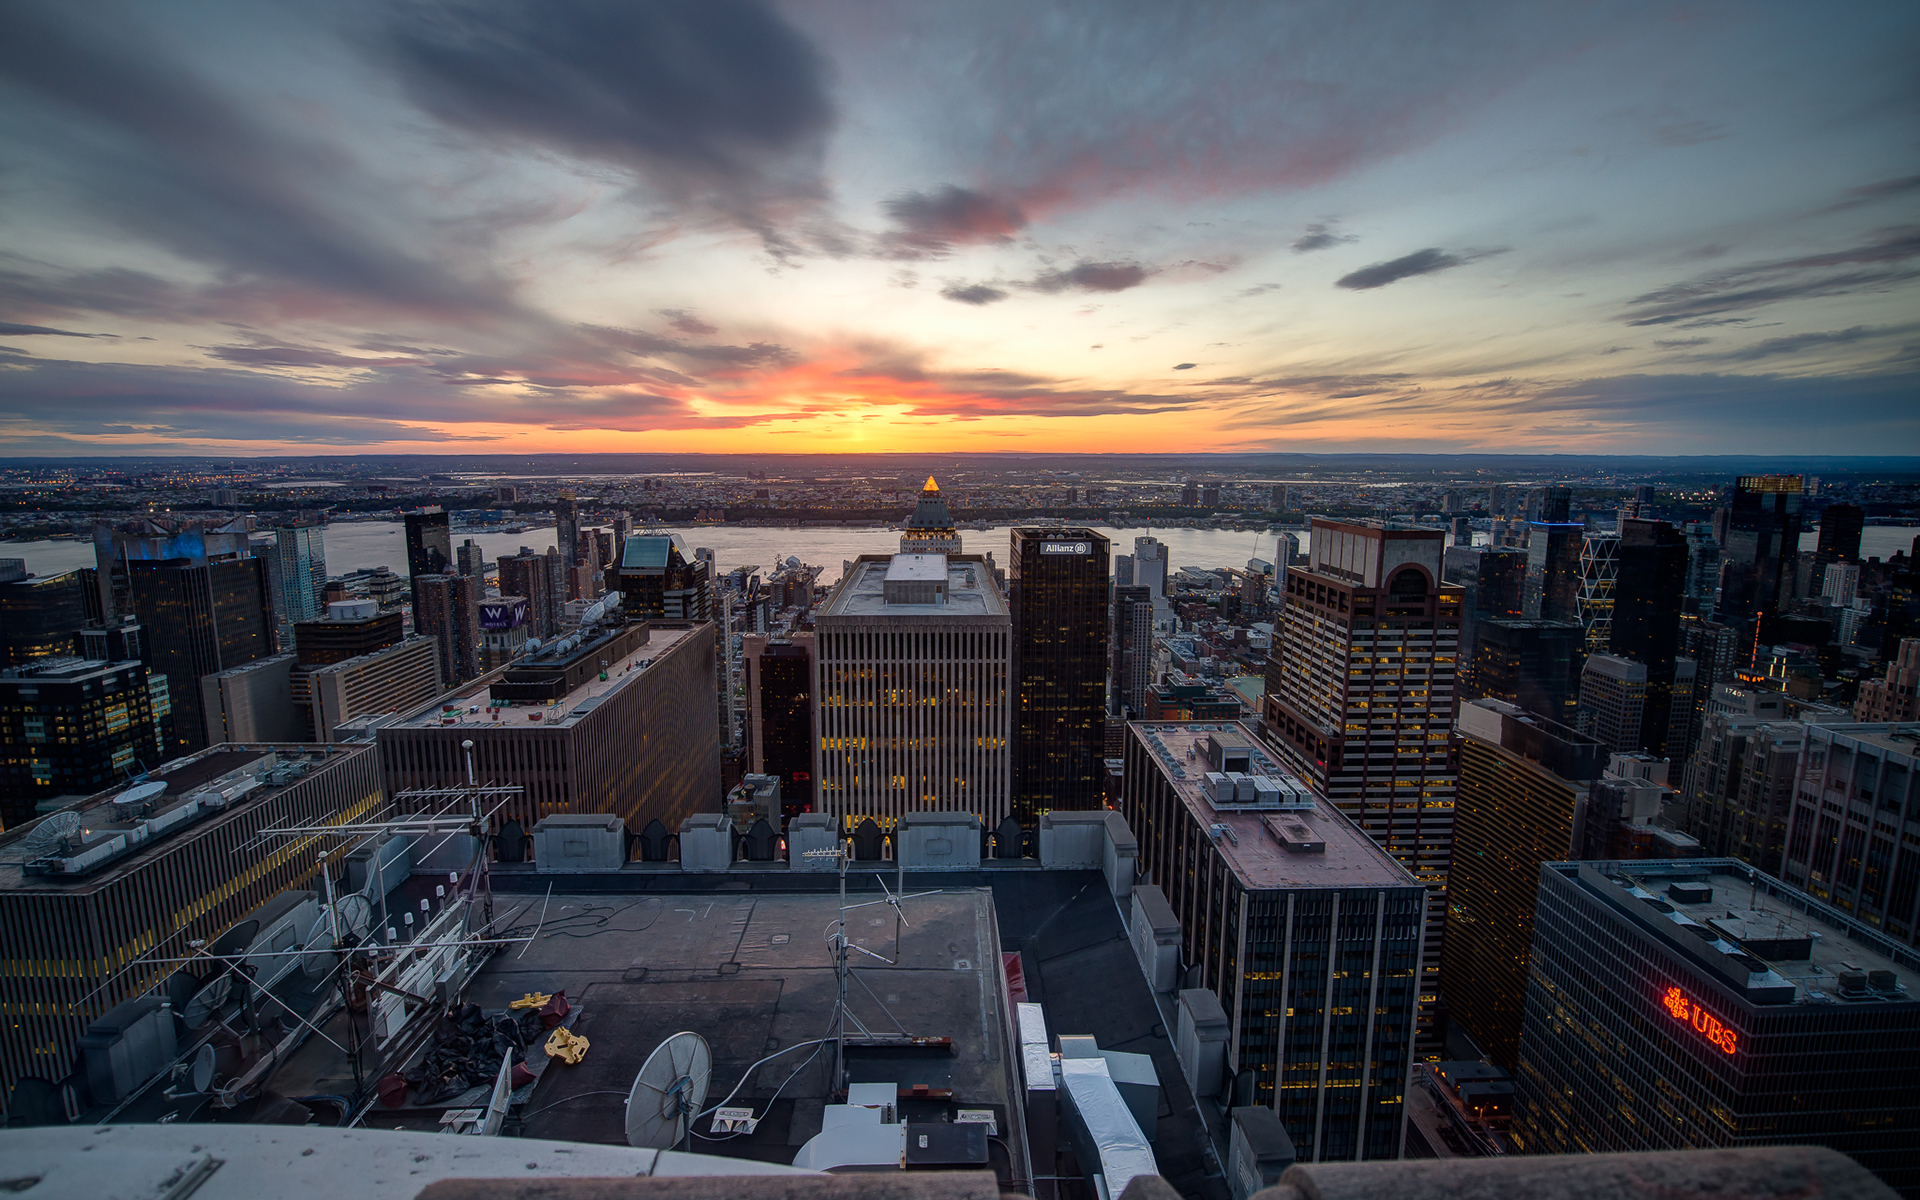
1703,1022
1066,547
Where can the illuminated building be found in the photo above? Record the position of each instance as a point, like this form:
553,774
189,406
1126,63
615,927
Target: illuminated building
1534,664
525,574
70,726
930,530
1057,595
503,630
200,618
1599,567
780,690
39,615
1524,783
915,712
1360,693
1701,1003
1305,931
659,580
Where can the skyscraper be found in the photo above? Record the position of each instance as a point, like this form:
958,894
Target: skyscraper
1840,526
1533,664
70,727
1150,565
915,711
1057,597
780,693
1599,568
39,615
1360,696
447,609
1855,790
1761,547
201,617
1703,569
660,579
1131,672
1523,785
302,551
1493,587
525,574
1646,626
1553,570
566,523
930,530
429,550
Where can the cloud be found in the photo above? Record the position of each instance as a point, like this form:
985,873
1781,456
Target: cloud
930,224
1681,343
1872,192
1320,236
1877,265
1185,366
973,293
10,329
687,323
1795,343
1086,276
723,99
1420,262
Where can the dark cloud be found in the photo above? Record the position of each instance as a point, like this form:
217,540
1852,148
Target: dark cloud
1185,366
1877,265
1320,236
301,356
1681,343
687,323
720,97
10,329
1795,343
1257,290
930,224
1087,276
973,293
1869,193
144,144
1420,262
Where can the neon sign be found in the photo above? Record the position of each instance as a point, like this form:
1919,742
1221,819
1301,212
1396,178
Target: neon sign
1703,1022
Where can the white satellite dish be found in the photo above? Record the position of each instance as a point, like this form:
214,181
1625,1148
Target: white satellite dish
208,1000
356,915
141,793
668,1091
42,838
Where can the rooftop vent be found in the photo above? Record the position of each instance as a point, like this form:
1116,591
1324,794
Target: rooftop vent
1690,893
1296,836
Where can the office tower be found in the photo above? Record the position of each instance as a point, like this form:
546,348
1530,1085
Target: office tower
470,560
659,580
1360,697
1840,584
1450,502
445,609
1762,540
915,710
1853,838
1715,650
1896,697
1210,496
113,643
1549,506
396,677
1123,570
1840,526
1646,628
780,691
1738,786
429,551
1599,568
1057,599
1305,933
566,527
1277,498
301,552
87,910
1492,586
349,629
1533,664
1131,672
1524,782
1553,570
1150,565
558,583
252,703
1704,1004
622,529
642,744
119,549
1630,713
1190,495
930,530
603,549
39,616
525,574
1703,569
503,630
69,727
200,618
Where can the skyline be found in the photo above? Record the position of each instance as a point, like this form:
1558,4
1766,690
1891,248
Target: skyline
502,228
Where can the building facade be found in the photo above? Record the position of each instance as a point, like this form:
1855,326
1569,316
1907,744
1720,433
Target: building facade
780,707
39,616
525,574
1853,839
1701,1004
1131,672
1304,929
1760,546
200,618
1534,664
915,707
429,550
1896,696
1360,695
661,580
446,608
930,529
396,678
70,727
1057,599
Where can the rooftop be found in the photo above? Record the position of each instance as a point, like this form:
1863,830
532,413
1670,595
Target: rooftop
467,706
1764,938
970,590
1256,843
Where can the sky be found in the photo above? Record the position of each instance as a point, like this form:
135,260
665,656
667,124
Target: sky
1006,225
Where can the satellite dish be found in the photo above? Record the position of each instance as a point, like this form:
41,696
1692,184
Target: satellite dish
356,915
213,1064
208,1000
42,838
316,961
139,794
668,1091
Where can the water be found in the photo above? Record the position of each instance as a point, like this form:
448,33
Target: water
357,544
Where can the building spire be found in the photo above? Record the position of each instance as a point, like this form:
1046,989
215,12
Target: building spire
931,485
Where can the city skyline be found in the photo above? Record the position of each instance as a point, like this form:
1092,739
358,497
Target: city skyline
502,229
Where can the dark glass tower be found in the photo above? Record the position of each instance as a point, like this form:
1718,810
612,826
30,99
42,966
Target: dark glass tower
1840,527
429,550
200,618
780,716
1132,669
1646,619
1553,570
1057,594
39,616
1533,664
1760,548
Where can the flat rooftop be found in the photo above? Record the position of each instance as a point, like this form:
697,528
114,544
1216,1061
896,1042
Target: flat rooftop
472,699
862,593
1795,937
1890,739
1255,850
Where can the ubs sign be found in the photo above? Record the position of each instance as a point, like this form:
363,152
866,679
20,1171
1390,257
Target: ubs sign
1704,1023
1066,547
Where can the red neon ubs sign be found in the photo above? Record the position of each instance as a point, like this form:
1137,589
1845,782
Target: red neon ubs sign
1703,1022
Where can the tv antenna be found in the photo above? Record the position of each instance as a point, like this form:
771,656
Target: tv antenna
844,947
670,1088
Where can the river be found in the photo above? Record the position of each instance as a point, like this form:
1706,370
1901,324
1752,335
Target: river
354,544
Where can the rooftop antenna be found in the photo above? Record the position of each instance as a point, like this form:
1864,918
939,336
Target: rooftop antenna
670,1088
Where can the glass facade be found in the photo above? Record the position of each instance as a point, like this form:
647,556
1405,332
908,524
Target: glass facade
781,679
39,616
429,549
1642,1034
200,618
71,728
1057,593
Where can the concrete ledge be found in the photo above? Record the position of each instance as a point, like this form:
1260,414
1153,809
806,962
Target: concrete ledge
1762,1173
896,1185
